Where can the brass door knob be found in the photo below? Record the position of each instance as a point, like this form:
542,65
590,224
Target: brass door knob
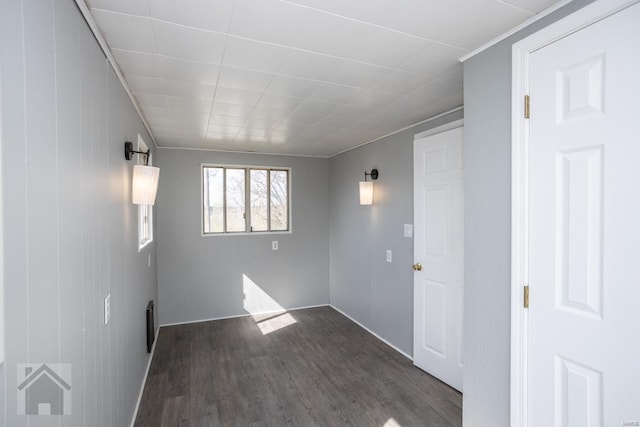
417,267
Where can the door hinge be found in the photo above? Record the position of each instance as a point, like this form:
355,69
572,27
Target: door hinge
526,296
527,107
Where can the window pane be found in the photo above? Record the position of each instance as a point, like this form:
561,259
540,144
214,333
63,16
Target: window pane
259,197
279,204
235,200
225,198
213,200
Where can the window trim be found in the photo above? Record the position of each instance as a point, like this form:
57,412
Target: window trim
143,241
247,184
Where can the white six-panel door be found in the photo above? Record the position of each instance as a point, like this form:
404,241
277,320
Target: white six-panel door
584,227
439,247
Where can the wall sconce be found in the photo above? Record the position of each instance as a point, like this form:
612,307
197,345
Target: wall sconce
366,187
144,184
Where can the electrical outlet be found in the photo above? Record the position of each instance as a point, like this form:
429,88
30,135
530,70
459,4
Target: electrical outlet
107,309
274,245
389,255
408,230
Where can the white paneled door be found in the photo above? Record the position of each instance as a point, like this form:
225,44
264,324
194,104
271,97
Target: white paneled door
438,251
584,227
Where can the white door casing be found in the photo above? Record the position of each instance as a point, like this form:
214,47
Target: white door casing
439,248
575,234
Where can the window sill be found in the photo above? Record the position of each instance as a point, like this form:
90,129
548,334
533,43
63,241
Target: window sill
144,244
253,233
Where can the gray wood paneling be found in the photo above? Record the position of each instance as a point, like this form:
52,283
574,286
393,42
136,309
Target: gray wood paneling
69,226
70,197
377,294
321,370
13,119
89,258
41,174
202,277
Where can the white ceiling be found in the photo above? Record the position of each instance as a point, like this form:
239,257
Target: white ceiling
303,77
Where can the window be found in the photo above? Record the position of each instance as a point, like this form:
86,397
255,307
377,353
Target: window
244,199
145,212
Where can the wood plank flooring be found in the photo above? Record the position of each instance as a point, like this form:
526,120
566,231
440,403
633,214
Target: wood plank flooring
310,367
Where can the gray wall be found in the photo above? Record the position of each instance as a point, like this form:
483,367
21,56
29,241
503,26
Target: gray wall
202,277
377,294
487,168
69,228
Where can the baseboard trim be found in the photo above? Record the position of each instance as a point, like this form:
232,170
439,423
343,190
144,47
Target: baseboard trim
243,315
144,379
371,332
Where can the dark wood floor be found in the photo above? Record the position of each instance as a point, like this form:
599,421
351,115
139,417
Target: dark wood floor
312,367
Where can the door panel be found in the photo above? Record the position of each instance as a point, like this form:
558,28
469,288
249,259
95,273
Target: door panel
579,394
584,229
579,230
435,221
438,245
435,321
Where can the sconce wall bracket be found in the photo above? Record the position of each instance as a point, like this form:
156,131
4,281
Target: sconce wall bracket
129,152
373,175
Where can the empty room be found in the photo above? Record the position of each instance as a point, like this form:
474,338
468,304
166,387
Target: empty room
319,213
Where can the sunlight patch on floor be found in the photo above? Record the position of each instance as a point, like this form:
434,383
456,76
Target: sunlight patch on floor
268,314
391,423
275,323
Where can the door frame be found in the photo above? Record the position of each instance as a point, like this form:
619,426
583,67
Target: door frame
521,52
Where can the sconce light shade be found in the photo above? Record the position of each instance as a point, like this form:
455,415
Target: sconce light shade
366,192
366,187
144,184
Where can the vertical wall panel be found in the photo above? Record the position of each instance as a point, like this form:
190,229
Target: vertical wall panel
42,204
117,250
98,229
68,224
86,166
15,272
69,157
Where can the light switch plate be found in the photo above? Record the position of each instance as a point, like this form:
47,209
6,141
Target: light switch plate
408,230
274,245
107,309
389,255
